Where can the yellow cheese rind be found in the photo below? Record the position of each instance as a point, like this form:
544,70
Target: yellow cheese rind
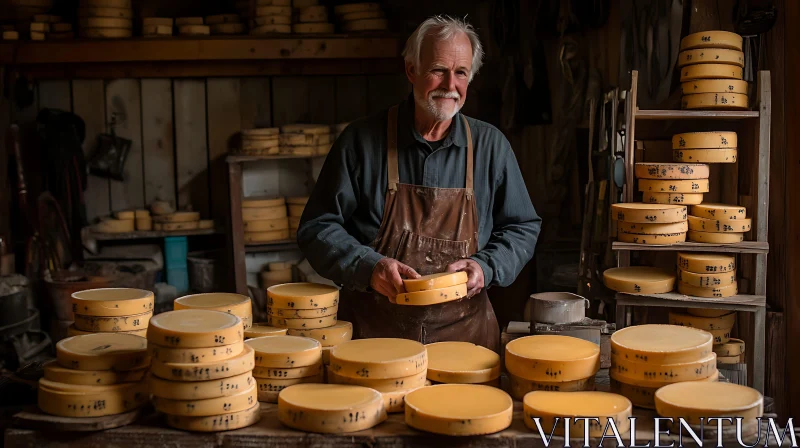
112,302
711,56
262,329
194,30
195,328
278,384
552,358
296,210
179,226
721,336
235,304
461,362
195,355
265,237
435,281
433,296
705,140
261,132
330,408
98,324
699,262
240,401
103,351
707,312
459,409
707,101
644,396
720,212
710,71
379,358
56,373
705,155
671,171
734,347
263,202
394,402
302,324
122,215
201,390
661,344
292,313
302,296
648,213
673,198
660,239
712,39
177,217
706,280
205,371
285,352
655,384
519,387
96,401
72,331
264,213
336,334
674,186
651,229
693,400
266,225
714,238
667,373
300,200
639,280
296,372
602,405
405,383
714,85
222,422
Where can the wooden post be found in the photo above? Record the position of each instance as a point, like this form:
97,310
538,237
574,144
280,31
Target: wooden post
237,238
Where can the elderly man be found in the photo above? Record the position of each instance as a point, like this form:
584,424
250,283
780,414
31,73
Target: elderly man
422,189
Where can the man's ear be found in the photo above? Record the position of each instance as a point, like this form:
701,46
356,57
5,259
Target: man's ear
411,72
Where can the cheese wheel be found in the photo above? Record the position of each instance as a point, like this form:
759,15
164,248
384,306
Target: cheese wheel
92,401
355,7
302,296
433,296
705,155
712,39
719,291
222,422
205,224
303,128
263,201
263,213
302,324
723,322
260,132
710,71
158,21
719,226
275,385
180,226
285,352
709,101
124,215
699,262
671,171
668,373
706,280
262,329
108,22
734,347
674,186
405,383
56,373
273,20
312,14
222,18
181,21
642,396
651,229
72,331
729,359
721,336
296,210
205,371
99,324
339,333
195,328
661,344
711,56
715,238
301,314
312,370
435,281
672,198
194,30
120,13
378,358
266,225
201,390
45,28
394,402
656,384
115,226
519,387
548,406
720,212
461,362
707,312
552,358
639,280
144,223
278,277
195,355
294,222
648,213
235,304
228,28
296,139
240,401
714,86
360,15
266,237
103,351
268,29
694,401
660,239
281,265
10,35
298,150
273,11
443,409
330,408
366,25
178,217
37,35
106,33
300,200
312,28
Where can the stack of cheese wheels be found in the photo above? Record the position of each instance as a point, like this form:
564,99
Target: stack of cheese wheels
393,367
225,24
264,219
361,17
95,375
459,409
718,223
112,310
259,142
731,352
705,147
259,330
282,361
654,224
143,220
302,307
329,337
312,20
122,222
277,273
711,65
192,26
646,357
296,206
670,171
105,19
462,363
157,26
552,363
270,17
715,321
639,280
38,30
178,222
235,304
696,402
201,370
707,274
552,408
330,408
305,139
434,288
47,26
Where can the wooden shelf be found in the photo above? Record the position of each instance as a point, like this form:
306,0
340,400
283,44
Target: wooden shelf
742,302
271,247
143,234
239,159
655,114
745,247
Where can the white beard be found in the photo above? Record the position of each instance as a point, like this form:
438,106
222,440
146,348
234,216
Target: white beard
432,107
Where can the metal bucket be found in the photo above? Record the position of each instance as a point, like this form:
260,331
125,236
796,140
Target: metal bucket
63,284
207,271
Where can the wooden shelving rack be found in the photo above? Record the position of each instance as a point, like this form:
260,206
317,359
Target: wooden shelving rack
750,174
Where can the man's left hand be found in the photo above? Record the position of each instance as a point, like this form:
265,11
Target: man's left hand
474,274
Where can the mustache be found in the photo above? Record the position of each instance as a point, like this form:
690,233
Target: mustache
445,94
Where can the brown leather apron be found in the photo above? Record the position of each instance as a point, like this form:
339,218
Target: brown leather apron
426,228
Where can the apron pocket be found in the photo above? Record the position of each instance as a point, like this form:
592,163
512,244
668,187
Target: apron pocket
429,255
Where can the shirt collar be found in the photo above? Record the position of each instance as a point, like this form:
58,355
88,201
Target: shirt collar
408,135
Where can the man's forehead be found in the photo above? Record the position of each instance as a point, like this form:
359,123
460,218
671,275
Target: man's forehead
433,42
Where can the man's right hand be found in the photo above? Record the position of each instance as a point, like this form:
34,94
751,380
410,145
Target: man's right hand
387,277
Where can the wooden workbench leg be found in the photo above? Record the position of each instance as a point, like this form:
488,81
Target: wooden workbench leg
237,238
759,353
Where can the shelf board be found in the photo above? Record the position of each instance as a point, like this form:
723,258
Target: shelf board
743,302
144,234
239,159
745,247
655,114
271,247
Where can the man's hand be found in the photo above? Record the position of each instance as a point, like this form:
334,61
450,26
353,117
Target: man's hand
387,277
474,274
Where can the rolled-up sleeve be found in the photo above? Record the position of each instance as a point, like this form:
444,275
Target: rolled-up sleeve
329,248
515,224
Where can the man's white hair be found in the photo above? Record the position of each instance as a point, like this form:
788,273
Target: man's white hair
444,28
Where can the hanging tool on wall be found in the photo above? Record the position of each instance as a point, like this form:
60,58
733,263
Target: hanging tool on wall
108,160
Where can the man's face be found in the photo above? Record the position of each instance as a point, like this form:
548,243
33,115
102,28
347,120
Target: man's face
441,81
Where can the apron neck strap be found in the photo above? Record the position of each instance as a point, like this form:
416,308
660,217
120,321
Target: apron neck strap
470,156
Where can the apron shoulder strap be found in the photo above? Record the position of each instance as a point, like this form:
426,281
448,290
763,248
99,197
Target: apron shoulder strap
391,155
469,184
